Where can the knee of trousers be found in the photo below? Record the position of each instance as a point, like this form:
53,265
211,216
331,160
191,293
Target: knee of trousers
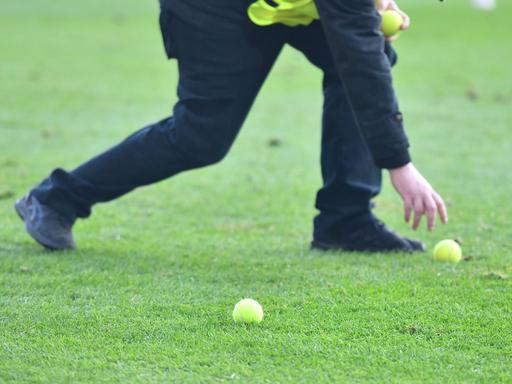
205,138
204,154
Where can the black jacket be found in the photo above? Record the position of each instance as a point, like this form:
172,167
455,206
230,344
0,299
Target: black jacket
352,28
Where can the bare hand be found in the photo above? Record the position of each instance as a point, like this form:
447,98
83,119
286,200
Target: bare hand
418,196
385,5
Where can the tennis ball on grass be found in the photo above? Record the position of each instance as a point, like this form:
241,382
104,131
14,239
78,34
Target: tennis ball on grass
391,22
248,311
448,251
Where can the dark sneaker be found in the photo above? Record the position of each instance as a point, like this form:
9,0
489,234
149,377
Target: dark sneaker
373,236
46,226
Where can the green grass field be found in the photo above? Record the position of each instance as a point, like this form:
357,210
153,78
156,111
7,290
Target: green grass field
148,296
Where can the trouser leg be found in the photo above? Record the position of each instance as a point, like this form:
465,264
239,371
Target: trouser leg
221,70
350,176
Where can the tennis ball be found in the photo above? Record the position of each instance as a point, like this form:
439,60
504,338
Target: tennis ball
248,311
448,251
391,22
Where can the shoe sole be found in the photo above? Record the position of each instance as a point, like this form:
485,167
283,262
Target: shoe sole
325,247
18,207
319,246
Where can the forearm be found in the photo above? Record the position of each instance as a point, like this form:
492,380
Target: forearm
352,29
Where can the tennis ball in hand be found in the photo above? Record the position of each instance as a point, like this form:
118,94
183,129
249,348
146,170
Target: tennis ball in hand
391,22
248,311
448,251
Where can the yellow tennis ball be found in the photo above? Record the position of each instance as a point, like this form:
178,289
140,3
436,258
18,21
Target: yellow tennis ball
248,311
448,251
391,22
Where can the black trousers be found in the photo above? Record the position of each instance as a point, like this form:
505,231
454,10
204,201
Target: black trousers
221,69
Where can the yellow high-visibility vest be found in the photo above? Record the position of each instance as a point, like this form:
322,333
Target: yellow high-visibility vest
288,12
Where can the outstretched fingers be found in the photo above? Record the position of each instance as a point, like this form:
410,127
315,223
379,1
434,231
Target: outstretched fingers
441,207
407,209
419,210
428,205
430,208
418,196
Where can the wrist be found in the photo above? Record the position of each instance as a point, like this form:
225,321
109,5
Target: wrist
402,168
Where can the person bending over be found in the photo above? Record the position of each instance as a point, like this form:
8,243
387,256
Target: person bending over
225,50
